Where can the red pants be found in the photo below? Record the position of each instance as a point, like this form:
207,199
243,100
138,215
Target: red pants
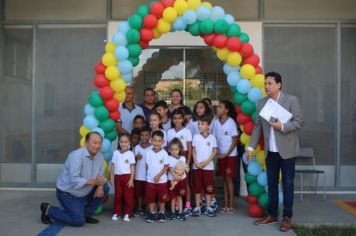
123,195
140,188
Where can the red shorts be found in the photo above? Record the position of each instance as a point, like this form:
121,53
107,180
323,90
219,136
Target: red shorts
179,189
140,188
227,166
156,192
203,180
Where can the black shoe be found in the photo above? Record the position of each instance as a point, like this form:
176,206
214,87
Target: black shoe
91,220
44,218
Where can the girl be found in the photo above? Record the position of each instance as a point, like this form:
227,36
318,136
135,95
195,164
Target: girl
225,131
156,124
201,108
176,193
122,176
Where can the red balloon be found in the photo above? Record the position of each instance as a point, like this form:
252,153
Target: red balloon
261,142
220,41
168,3
256,211
253,60
242,118
100,68
251,199
147,35
143,44
259,70
233,44
248,127
106,92
115,115
101,81
209,39
157,9
246,50
238,109
112,104
150,21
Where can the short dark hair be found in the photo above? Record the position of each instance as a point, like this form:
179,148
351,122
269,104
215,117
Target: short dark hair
162,104
146,129
276,76
206,118
87,137
187,110
158,133
136,131
149,89
139,117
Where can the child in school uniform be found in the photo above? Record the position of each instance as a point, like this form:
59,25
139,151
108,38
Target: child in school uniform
156,124
162,108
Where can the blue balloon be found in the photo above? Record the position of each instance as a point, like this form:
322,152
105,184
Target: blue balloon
254,168
244,158
123,27
125,67
262,178
189,17
99,130
233,78
228,69
90,121
119,39
106,146
179,24
121,53
243,86
88,109
127,78
254,94
203,12
229,19
108,156
217,13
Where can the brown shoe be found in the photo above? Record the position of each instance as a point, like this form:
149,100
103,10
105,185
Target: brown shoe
267,220
286,224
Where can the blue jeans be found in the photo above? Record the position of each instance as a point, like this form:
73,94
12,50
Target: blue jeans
275,163
75,208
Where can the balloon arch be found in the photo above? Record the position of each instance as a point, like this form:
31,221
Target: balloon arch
223,34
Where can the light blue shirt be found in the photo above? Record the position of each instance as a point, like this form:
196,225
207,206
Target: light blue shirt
127,116
78,168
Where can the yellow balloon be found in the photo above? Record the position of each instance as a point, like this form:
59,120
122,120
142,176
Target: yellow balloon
264,167
105,165
234,59
280,176
258,81
82,142
169,14
156,33
120,97
110,47
260,157
222,54
181,6
118,85
247,71
242,128
109,59
163,26
257,150
83,131
245,139
214,48
112,72
208,4
193,4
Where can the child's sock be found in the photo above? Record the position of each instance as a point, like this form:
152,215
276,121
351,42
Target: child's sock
187,205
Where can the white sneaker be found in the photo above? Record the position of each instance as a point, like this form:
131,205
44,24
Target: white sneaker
127,218
114,217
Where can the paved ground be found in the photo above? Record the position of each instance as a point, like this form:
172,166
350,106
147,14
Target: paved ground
20,213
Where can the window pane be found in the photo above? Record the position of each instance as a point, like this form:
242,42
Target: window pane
305,57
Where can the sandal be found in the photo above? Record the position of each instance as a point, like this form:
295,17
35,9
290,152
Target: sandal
230,210
225,209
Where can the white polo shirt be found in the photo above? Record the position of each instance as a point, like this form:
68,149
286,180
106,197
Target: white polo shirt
196,130
224,133
204,146
122,162
155,162
127,116
190,126
183,134
167,125
140,171
173,162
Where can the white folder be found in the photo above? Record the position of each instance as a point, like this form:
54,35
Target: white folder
273,110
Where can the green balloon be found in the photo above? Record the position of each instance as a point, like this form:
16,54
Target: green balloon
95,100
248,107
101,113
244,38
135,50
250,179
194,29
234,30
99,210
239,98
207,26
233,89
107,125
134,60
135,21
133,36
254,116
221,26
143,10
255,189
263,200
111,135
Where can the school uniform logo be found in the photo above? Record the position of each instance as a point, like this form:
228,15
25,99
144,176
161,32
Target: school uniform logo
208,144
161,161
226,133
127,161
181,137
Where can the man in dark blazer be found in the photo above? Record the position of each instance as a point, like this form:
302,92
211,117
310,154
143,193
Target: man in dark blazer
281,148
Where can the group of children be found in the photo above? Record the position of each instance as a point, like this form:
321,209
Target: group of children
162,163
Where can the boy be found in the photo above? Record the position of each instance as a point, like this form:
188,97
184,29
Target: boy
204,151
140,172
157,163
135,138
139,122
162,108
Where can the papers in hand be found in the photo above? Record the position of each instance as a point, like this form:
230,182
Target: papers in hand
273,110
